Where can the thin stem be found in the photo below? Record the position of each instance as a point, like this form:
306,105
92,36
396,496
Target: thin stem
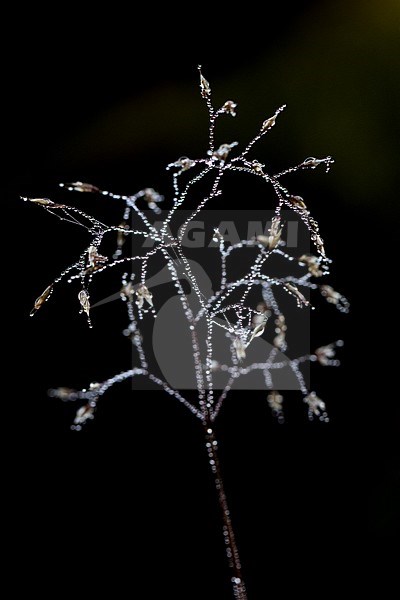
232,552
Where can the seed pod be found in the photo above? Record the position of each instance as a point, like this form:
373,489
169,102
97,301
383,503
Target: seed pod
334,297
95,258
143,293
84,300
127,290
152,198
312,263
223,151
45,202
80,186
315,404
41,299
275,401
41,201
205,89
331,295
230,108
280,329
63,393
215,366
269,123
83,414
301,300
258,330
257,167
184,164
319,244
324,355
239,348
272,240
297,201
313,162
263,313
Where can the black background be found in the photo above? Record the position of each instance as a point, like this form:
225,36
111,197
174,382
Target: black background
128,504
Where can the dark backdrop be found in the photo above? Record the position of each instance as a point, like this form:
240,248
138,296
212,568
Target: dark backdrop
128,502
